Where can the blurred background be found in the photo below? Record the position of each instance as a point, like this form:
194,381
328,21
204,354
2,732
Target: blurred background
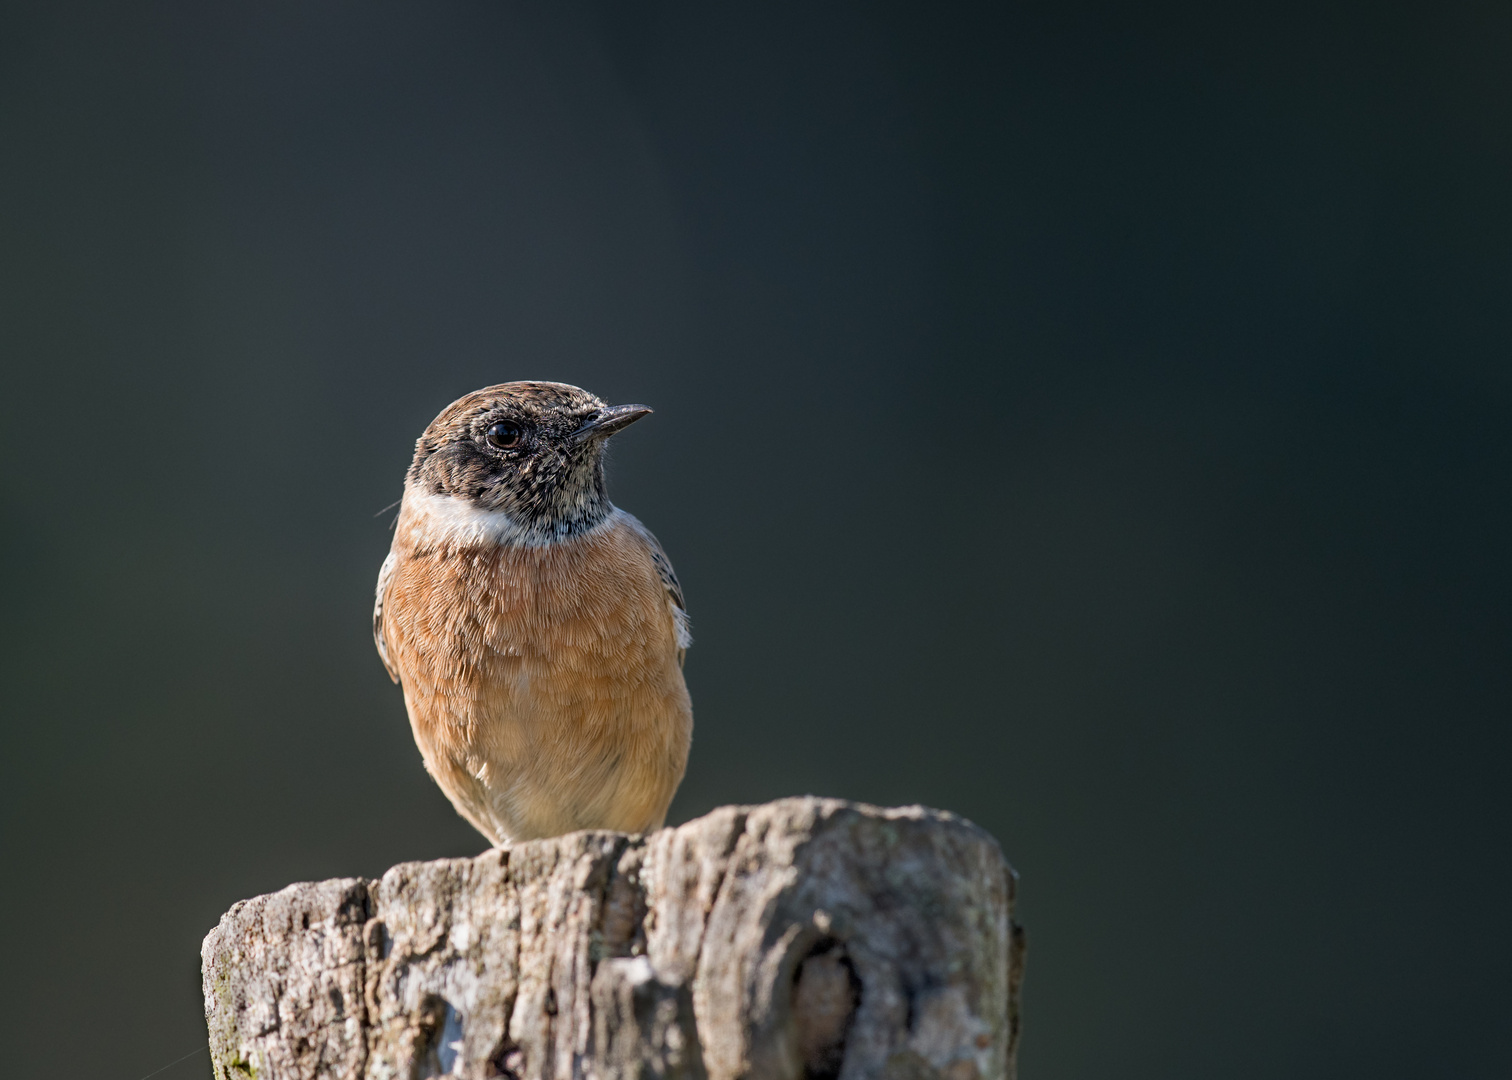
1090,418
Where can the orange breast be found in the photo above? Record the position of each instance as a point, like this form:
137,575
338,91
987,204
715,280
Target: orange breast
543,683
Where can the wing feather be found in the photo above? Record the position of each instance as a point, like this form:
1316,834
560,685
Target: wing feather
681,624
385,572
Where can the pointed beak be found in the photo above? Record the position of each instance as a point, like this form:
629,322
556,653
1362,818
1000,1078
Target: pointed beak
608,421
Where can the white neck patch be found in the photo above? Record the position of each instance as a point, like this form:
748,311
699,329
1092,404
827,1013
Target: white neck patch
446,521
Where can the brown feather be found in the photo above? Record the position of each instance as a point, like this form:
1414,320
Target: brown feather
543,682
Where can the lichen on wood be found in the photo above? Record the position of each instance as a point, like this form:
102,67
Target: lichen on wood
806,939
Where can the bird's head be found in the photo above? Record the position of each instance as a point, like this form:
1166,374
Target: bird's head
529,455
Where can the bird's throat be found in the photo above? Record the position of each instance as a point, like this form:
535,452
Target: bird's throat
430,520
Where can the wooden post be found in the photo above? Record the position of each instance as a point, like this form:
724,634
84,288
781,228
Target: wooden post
804,939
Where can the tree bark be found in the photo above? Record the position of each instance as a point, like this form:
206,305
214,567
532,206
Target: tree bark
806,939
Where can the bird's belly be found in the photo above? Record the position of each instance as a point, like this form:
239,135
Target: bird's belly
550,747
544,706
573,741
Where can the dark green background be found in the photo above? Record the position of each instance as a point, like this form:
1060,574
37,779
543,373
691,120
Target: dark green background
1090,418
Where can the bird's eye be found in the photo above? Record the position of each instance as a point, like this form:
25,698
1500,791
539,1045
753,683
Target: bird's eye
505,435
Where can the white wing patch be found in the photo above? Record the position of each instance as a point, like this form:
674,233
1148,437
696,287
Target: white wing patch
682,626
385,572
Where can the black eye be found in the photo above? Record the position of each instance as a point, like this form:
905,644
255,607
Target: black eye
505,434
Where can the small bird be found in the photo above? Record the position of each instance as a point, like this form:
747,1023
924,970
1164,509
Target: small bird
537,629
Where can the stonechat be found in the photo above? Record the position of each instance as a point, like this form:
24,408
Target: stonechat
538,630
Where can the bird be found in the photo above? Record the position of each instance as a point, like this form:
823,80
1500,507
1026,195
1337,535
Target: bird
537,630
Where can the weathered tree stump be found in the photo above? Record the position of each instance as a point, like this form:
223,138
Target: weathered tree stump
803,939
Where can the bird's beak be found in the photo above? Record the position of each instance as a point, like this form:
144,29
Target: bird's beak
610,420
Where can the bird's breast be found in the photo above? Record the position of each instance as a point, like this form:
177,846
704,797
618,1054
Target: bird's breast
509,653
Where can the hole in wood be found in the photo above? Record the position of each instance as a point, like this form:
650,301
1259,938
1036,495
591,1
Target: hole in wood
439,1038
826,994
507,1062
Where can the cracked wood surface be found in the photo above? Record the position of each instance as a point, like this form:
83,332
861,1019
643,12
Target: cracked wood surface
806,939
